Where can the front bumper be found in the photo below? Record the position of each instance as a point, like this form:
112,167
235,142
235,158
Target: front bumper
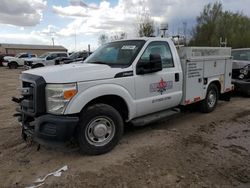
26,67
32,115
51,127
5,64
242,85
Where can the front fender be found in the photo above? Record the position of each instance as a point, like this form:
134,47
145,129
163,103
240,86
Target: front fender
85,96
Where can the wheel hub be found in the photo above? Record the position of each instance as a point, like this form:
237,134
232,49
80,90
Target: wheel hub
100,130
211,99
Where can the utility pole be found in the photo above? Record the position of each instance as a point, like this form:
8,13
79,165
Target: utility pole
75,39
89,48
185,32
52,34
53,42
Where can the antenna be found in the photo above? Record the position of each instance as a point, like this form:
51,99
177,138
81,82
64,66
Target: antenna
223,43
164,28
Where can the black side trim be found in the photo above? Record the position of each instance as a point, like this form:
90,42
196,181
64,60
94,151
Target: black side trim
124,74
55,128
177,77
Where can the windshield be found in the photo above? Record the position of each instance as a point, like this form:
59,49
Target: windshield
120,53
44,55
242,55
17,56
75,55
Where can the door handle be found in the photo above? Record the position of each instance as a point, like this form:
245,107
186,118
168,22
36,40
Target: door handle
177,77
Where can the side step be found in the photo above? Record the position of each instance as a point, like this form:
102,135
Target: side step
144,120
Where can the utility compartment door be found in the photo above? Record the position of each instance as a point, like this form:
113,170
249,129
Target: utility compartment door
214,67
193,82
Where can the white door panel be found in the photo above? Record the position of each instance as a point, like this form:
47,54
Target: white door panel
158,91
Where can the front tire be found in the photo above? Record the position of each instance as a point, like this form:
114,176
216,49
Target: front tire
210,102
13,65
100,129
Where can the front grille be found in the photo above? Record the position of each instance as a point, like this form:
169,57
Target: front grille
33,95
27,93
28,63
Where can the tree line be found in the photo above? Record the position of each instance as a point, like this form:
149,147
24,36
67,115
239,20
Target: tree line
212,25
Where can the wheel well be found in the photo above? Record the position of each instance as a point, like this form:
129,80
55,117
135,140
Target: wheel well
13,62
113,100
218,85
38,65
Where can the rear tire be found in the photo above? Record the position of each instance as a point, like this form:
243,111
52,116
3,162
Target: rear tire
210,102
13,65
100,129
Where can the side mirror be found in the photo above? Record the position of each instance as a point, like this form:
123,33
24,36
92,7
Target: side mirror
154,65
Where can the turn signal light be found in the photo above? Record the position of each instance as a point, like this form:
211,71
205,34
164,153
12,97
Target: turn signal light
69,94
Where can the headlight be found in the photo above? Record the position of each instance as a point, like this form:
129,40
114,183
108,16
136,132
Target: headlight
244,70
58,96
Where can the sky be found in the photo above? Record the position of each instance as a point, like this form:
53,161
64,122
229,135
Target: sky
77,23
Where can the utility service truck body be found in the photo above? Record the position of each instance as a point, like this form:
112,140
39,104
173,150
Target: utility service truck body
124,81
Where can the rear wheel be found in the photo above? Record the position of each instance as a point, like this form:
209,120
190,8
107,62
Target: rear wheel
210,102
13,65
100,129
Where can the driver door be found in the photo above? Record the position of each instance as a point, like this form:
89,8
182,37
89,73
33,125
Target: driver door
157,91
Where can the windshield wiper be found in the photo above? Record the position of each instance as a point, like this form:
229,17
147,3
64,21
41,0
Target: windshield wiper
99,62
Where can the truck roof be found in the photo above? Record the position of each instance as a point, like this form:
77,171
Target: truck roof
146,39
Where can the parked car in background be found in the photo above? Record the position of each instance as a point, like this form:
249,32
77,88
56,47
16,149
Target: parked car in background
45,59
4,55
241,70
17,61
75,56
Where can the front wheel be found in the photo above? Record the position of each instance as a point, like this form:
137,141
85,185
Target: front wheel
210,102
13,65
100,129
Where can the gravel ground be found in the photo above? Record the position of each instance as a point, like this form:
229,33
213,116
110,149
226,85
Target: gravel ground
191,150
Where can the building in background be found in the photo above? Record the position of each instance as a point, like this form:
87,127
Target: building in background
29,48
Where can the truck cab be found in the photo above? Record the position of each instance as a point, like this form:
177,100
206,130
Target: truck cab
137,81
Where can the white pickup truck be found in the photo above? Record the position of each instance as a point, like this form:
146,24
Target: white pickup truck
137,81
46,59
18,60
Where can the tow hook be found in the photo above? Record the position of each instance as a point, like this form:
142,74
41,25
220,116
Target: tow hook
17,100
29,140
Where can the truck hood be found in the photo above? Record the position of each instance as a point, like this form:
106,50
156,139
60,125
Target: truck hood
239,64
7,58
75,72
